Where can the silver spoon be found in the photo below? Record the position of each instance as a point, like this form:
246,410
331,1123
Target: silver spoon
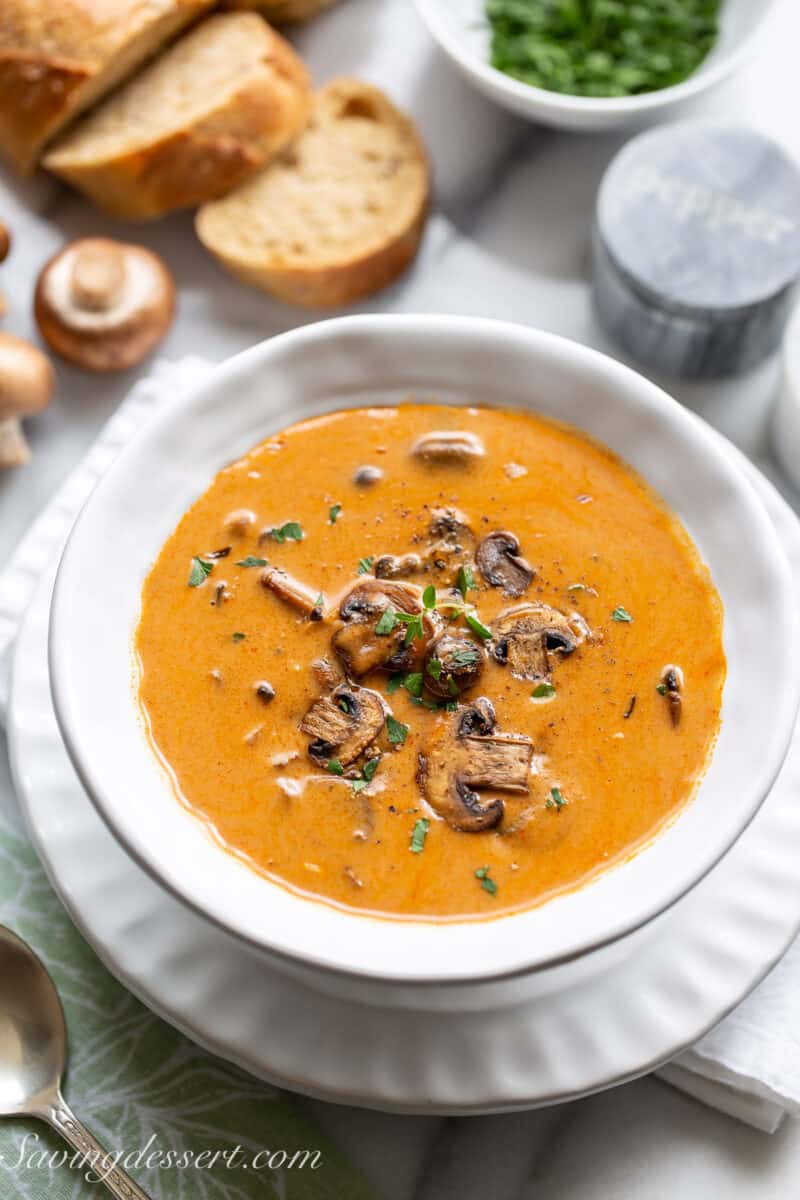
33,1052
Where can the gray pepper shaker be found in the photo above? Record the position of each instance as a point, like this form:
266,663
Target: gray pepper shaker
696,248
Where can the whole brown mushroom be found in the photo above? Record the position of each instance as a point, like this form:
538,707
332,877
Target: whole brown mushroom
104,305
5,247
26,385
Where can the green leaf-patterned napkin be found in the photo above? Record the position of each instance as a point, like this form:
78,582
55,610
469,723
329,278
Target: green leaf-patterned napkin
146,1090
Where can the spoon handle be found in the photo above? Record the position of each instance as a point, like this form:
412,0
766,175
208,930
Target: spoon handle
98,1161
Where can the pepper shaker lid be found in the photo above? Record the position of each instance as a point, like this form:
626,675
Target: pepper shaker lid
697,247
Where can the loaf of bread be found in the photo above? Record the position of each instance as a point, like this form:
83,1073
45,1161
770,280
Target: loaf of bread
59,56
338,215
282,12
208,112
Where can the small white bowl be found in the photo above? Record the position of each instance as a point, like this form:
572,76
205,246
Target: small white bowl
374,360
461,29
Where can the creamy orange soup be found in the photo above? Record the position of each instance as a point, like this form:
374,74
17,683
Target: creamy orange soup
428,661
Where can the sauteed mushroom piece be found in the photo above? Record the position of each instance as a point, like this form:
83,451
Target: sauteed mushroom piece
671,687
292,591
448,447
454,540
465,755
367,476
343,724
357,641
326,673
393,566
528,636
500,563
239,521
452,665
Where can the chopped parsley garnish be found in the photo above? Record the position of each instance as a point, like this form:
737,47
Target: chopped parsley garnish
365,565
487,883
466,580
387,622
419,834
621,614
556,800
397,731
429,597
415,630
466,657
434,668
543,691
334,766
413,683
367,775
661,688
601,47
201,569
395,682
238,637
252,561
370,769
477,626
435,705
333,513
290,532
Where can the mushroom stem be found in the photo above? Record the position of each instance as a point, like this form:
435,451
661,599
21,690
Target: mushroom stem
26,385
14,448
97,277
292,591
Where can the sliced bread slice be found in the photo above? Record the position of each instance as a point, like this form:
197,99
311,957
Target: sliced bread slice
335,217
215,107
282,12
56,59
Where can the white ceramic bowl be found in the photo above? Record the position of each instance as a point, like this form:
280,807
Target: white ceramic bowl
377,360
461,30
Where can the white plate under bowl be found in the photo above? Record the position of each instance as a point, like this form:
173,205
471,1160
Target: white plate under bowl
461,29
384,360
705,954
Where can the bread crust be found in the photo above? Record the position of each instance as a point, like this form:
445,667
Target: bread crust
282,12
207,158
34,94
334,287
56,59
332,284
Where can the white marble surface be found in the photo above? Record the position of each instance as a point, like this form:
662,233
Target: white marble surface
508,239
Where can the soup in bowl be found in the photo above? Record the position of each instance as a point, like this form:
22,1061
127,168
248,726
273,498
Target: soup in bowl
471,663
424,650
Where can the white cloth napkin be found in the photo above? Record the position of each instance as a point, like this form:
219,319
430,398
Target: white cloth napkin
748,1066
